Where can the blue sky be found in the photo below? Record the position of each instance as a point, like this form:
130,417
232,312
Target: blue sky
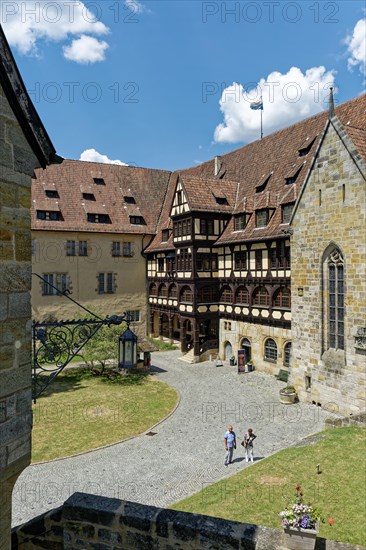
168,84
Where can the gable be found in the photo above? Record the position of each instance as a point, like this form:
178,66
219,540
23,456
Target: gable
180,201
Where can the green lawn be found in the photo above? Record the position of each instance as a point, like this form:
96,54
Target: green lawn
256,494
79,411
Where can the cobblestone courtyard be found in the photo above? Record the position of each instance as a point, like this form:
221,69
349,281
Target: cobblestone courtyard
187,451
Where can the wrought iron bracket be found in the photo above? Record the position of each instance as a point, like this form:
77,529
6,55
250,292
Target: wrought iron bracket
56,343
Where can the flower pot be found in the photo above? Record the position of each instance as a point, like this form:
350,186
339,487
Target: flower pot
287,398
300,539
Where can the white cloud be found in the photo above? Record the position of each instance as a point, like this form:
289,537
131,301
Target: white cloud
26,22
86,49
134,6
287,98
357,46
91,155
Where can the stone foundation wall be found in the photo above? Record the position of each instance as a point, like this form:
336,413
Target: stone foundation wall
91,522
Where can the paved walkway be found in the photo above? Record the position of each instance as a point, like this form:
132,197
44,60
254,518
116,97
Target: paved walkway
187,452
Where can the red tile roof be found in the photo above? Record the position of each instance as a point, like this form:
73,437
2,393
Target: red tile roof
276,154
73,178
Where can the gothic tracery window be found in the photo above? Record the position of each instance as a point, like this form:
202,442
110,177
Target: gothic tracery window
335,300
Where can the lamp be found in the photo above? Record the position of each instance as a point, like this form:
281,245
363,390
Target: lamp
127,350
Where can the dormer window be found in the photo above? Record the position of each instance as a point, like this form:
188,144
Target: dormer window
239,222
263,183
292,176
129,200
88,197
262,217
99,181
52,194
49,215
136,220
165,235
306,146
286,212
221,200
98,218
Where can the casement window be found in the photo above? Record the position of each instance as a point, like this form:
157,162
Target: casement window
134,316
182,228
163,291
184,260
286,212
335,300
279,257
116,248
58,280
98,218
186,294
165,235
207,295
172,292
170,262
282,298
50,194
161,263
270,350
179,197
206,262
106,283
240,260
70,248
152,290
239,222
49,215
226,295
242,295
287,354
136,220
262,218
83,248
258,259
127,249
207,227
261,296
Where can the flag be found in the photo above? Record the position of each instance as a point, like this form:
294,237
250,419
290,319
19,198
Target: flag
257,105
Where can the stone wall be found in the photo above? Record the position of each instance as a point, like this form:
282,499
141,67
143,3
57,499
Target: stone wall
91,522
17,163
330,213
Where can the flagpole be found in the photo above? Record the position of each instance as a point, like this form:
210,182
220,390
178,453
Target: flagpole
262,120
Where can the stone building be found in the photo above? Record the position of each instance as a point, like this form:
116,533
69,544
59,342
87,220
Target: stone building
328,246
90,225
24,145
219,268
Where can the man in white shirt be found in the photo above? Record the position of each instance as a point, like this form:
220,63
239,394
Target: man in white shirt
230,445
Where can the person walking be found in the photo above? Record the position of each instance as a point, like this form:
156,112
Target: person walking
249,437
230,444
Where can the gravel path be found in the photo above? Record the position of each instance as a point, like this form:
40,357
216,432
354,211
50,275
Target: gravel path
187,452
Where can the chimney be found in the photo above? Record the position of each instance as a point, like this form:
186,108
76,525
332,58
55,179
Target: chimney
217,165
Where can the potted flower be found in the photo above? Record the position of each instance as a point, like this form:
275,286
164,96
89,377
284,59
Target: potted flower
300,522
288,395
250,366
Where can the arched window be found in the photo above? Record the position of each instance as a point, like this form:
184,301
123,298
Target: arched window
242,295
260,296
282,298
172,291
163,291
186,294
152,291
287,354
335,300
226,295
270,350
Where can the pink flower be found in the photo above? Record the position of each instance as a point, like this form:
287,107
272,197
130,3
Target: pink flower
330,521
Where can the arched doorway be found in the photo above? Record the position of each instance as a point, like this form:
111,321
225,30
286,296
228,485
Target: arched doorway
228,351
165,325
247,347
